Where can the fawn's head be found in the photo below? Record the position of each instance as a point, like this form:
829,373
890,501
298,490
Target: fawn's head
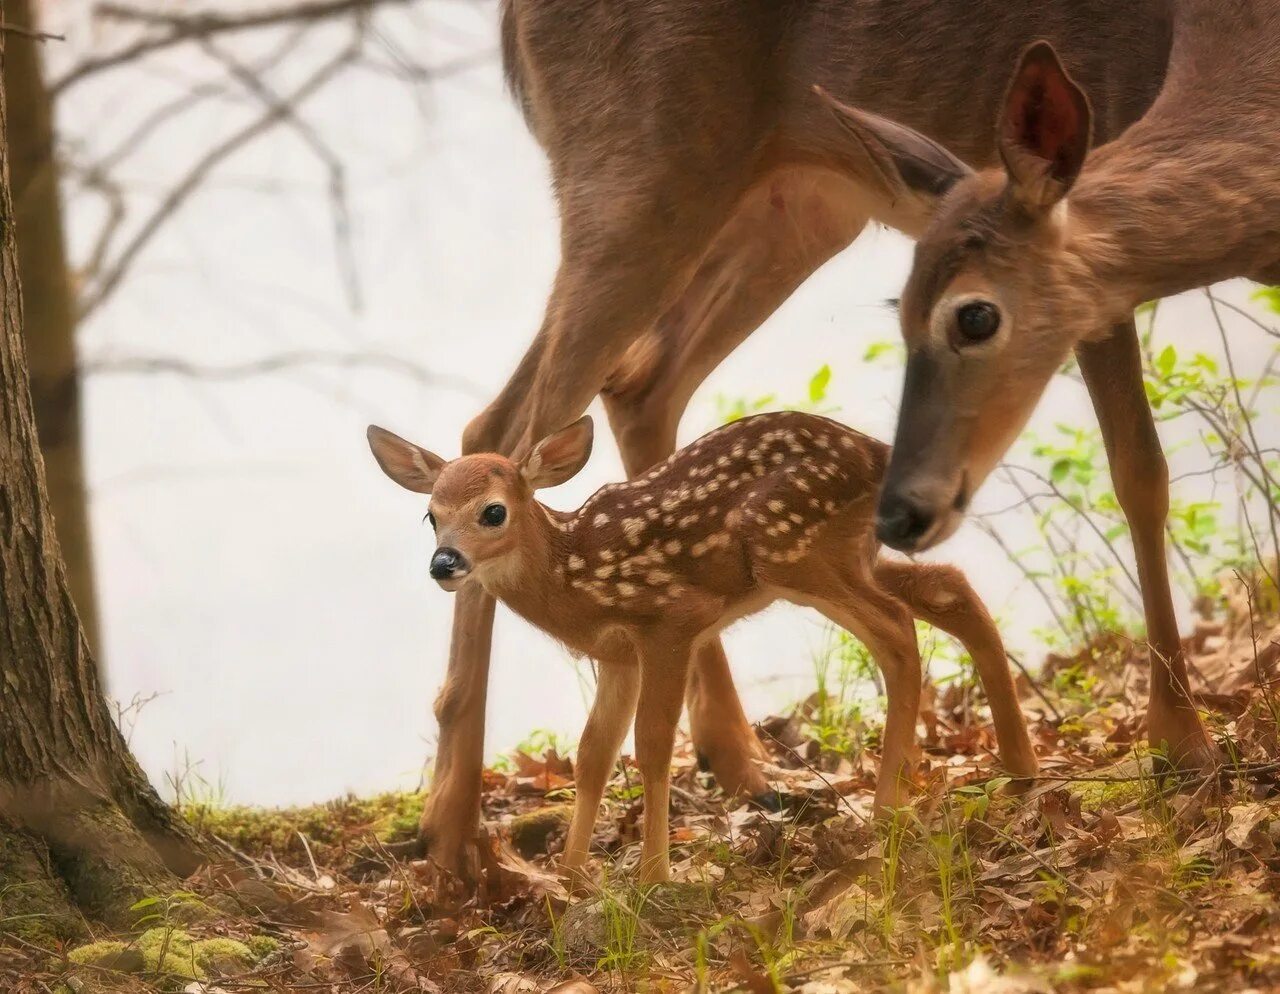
996,298
482,506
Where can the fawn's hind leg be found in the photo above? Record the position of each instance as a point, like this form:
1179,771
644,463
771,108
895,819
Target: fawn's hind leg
884,625
617,687
941,596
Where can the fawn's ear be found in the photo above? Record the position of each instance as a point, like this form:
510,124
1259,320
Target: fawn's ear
1045,129
558,457
412,467
900,160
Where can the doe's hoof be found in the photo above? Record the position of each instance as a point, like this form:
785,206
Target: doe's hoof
373,861
768,800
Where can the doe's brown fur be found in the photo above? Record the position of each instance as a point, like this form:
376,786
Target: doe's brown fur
1062,241
700,182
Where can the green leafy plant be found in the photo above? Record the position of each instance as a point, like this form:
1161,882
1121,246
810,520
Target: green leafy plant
730,409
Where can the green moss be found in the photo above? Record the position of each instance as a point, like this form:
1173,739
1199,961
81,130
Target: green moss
224,956
531,832
173,951
170,951
1106,795
328,827
191,910
108,955
262,946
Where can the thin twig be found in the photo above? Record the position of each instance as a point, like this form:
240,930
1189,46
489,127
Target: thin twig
1035,685
180,193
815,771
176,28
333,167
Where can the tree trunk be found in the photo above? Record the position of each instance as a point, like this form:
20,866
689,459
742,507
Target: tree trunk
82,832
49,307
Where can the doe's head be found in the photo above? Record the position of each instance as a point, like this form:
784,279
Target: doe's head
996,298
482,506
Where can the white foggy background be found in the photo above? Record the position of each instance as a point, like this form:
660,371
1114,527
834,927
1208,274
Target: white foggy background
255,568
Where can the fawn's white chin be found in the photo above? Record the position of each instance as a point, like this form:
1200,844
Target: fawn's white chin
453,582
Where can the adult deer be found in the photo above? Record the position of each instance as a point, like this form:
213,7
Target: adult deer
1027,261
700,182
773,507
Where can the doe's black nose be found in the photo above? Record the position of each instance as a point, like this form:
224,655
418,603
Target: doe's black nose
445,563
901,522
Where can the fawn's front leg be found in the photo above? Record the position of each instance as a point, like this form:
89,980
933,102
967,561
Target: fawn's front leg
940,595
664,669
884,626
617,687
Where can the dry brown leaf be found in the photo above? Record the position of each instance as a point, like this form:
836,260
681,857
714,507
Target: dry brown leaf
357,943
577,985
513,983
1244,819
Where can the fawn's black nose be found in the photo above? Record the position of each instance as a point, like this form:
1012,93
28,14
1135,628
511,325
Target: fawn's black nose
901,522
447,563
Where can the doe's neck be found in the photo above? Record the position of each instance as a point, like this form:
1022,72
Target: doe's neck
1190,194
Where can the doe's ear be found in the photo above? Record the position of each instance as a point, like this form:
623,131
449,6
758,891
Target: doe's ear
902,161
559,456
412,467
1045,129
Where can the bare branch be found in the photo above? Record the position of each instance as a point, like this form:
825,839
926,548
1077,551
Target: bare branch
1251,318
110,191
339,208
176,28
279,363
20,31
193,96
177,196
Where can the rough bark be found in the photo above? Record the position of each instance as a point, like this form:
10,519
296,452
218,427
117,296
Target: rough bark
49,306
81,829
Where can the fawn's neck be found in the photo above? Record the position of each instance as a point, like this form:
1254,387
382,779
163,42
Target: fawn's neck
534,586
1190,195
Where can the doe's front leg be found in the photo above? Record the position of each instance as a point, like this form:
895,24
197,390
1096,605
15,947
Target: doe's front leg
664,670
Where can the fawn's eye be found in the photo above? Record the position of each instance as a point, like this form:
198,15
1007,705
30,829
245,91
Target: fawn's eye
432,519
493,515
977,321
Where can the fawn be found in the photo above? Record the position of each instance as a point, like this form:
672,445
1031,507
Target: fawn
772,507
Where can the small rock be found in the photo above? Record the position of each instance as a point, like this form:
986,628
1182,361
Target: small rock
531,833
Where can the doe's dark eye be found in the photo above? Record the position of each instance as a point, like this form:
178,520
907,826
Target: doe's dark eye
978,321
493,515
432,519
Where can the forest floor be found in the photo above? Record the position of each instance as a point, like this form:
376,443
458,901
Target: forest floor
1099,878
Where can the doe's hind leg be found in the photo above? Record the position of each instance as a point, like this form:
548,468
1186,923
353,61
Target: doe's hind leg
940,595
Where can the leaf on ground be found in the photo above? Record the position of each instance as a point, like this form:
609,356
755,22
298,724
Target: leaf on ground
1244,819
578,985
